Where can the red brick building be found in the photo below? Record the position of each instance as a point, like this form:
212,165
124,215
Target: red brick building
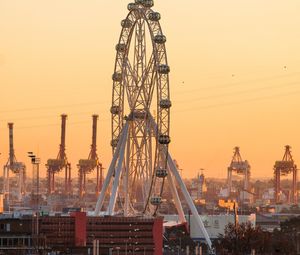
79,234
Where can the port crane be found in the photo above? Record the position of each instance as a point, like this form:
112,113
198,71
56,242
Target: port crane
285,167
12,165
54,166
87,166
240,167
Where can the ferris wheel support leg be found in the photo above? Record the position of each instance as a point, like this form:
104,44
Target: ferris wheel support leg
113,197
176,197
126,181
109,175
189,200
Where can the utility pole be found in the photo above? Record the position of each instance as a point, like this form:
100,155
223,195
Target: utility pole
36,189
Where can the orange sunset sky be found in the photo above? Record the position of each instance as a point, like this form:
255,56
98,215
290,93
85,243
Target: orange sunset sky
235,78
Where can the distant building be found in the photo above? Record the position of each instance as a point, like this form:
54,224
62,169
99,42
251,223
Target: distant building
214,224
271,221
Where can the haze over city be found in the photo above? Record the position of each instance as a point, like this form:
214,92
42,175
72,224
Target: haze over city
235,79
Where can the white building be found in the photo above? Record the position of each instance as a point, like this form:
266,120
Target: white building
214,224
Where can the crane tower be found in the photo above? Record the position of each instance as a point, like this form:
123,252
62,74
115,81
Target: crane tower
87,166
18,168
239,167
55,166
283,168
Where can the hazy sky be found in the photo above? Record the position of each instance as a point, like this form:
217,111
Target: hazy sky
235,77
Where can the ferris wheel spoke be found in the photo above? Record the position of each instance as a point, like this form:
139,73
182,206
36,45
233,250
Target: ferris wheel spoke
144,90
130,81
140,47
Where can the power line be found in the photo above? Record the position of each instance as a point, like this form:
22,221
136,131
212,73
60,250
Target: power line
57,124
227,85
53,107
240,92
177,102
292,93
46,116
181,92
180,101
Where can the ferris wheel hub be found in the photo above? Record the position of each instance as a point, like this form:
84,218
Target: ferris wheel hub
137,115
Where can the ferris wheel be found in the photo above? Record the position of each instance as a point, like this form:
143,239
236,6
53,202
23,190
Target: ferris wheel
140,115
140,87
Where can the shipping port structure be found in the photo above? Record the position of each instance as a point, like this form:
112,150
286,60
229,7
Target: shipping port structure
242,168
87,166
285,167
13,197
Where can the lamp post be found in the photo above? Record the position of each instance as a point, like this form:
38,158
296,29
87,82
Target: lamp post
35,161
35,164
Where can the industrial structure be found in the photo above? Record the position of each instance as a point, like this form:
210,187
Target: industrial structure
87,166
283,168
54,166
18,168
240,167
200,190
141,162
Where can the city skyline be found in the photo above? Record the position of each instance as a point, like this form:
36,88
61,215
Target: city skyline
233,83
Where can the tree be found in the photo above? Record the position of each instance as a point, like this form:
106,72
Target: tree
242,239
282,243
